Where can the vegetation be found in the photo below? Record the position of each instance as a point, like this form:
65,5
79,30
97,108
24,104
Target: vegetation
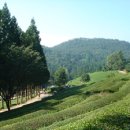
85,77
102,103
94,101
127,67
22,61
116,61
60,77
84,55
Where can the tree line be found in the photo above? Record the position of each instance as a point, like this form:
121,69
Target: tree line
84,55
23,67
117,61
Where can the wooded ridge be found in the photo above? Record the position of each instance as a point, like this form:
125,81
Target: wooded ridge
83,55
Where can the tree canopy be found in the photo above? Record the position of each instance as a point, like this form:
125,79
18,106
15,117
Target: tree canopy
60,77
85,77
83,55
22,60
115,61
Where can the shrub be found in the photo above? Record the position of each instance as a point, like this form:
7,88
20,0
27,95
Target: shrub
127,67
85,77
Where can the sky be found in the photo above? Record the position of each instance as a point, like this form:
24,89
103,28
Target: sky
62,20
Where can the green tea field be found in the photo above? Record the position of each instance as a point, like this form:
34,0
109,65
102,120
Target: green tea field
103,103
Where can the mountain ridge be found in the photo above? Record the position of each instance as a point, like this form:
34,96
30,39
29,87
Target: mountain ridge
82,55
64,42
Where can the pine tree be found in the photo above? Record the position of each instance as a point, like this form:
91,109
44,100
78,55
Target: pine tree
60,77
33,40
9,28
33,37
22,60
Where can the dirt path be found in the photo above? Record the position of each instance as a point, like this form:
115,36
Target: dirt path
42,95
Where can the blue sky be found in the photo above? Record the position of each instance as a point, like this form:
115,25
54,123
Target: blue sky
61,20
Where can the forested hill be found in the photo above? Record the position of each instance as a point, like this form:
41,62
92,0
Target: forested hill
83,55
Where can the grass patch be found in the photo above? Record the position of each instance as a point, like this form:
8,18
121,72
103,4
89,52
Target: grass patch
91,105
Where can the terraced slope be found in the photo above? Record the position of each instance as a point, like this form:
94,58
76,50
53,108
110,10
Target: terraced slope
101,104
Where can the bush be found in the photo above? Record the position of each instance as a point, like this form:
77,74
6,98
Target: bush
127,67
85,77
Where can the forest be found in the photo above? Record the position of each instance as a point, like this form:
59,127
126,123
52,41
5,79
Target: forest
83,55
87,81
23,67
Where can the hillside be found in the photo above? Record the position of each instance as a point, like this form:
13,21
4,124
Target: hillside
83,55
103,103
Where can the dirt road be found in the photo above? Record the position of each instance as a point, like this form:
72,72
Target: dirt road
29,101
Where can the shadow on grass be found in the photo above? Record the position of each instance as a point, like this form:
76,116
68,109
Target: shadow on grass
89,93
75,90
119,121
44,104
29,108
112,122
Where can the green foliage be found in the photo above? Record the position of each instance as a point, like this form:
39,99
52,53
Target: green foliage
73,108
109,118
9,29
83,55
95,77
60,77
127,67
33,39
22,60
115,61
85,77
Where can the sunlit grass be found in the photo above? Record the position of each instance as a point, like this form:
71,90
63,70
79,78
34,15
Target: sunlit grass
85,106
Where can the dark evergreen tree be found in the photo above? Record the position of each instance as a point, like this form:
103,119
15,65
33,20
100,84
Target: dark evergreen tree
22,60
9,29
32,39
23,67
32,35
60,77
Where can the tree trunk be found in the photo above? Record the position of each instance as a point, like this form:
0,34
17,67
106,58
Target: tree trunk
36,90
31,92
8,104
17,97
26,94
39,91
21,96
2,103
35,93
41,88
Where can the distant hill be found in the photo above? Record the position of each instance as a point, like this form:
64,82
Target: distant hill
83,55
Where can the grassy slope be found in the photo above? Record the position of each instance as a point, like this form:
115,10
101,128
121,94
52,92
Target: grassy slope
103,103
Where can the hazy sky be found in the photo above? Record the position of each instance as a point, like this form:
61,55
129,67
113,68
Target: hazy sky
61,20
